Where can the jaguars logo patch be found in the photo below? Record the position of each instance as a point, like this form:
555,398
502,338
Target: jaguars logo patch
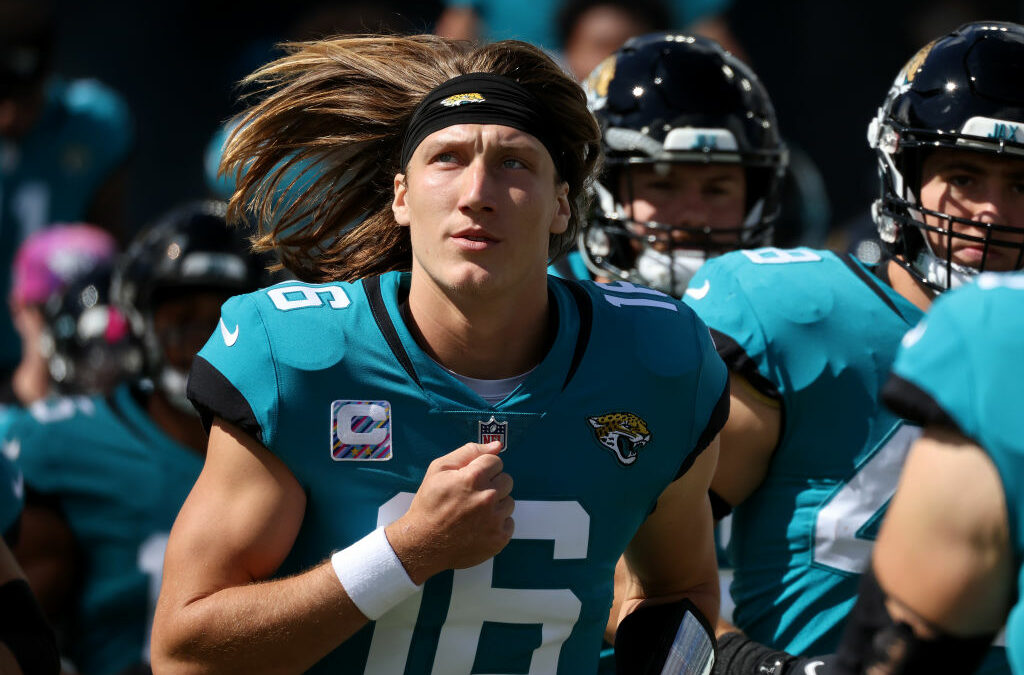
622,433
462,99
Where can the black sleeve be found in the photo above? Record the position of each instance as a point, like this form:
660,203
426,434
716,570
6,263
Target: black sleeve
740,363
719,414
914,404
213,395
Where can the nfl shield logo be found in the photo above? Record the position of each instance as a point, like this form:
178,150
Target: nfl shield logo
493,430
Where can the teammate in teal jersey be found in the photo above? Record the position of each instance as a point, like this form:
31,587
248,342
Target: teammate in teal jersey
696,153
809,456
106,475
946,568
64,145
335,406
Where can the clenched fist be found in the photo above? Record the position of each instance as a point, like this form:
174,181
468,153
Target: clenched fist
461,514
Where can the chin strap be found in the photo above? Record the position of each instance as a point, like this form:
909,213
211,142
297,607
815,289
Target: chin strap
941,274
669,273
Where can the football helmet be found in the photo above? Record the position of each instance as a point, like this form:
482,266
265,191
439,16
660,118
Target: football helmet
188,250
52,257
667,99
87,343
962,91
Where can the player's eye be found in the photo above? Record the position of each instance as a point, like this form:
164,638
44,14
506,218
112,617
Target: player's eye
446,157
961,180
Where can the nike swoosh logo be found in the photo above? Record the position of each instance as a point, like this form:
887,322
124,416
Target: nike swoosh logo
812,668
699,293
229,337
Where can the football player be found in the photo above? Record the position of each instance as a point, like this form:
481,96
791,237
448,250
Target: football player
354,513
945,569
809,456
106,475
693,161
694,167
44,265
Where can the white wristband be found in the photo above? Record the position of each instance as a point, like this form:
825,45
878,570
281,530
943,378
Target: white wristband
372,575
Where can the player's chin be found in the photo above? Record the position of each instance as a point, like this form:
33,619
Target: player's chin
475,277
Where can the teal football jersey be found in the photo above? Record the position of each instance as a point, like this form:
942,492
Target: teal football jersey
962,368
330,380
119,483
817,332
52,175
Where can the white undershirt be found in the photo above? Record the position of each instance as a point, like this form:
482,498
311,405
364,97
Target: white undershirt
492,391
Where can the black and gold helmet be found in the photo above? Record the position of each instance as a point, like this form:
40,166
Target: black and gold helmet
664,99
962,91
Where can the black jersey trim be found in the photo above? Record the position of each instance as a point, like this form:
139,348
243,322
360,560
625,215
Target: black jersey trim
871,283
586,311
719,507
737,360
380,314
916,405
213,395
719,415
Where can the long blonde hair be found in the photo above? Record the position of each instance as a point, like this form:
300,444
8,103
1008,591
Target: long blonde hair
315,159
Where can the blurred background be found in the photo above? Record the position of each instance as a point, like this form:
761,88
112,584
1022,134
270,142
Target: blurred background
827,66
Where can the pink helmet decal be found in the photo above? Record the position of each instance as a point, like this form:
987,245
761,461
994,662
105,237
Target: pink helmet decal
48,259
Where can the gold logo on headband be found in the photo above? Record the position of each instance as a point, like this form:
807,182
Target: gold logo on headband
462,99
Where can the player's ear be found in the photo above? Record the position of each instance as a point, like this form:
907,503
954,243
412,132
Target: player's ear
560,220
399,207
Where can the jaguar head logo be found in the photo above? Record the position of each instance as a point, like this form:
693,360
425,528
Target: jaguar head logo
623,433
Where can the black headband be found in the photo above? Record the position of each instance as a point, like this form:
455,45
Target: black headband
480,98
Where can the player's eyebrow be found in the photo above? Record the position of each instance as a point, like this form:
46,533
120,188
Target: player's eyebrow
724,177
977,168
961,165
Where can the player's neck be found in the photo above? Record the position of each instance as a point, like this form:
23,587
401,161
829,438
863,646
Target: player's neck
479,338
909,287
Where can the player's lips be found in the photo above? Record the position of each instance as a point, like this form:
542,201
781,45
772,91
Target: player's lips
974,254
971,254
475,239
